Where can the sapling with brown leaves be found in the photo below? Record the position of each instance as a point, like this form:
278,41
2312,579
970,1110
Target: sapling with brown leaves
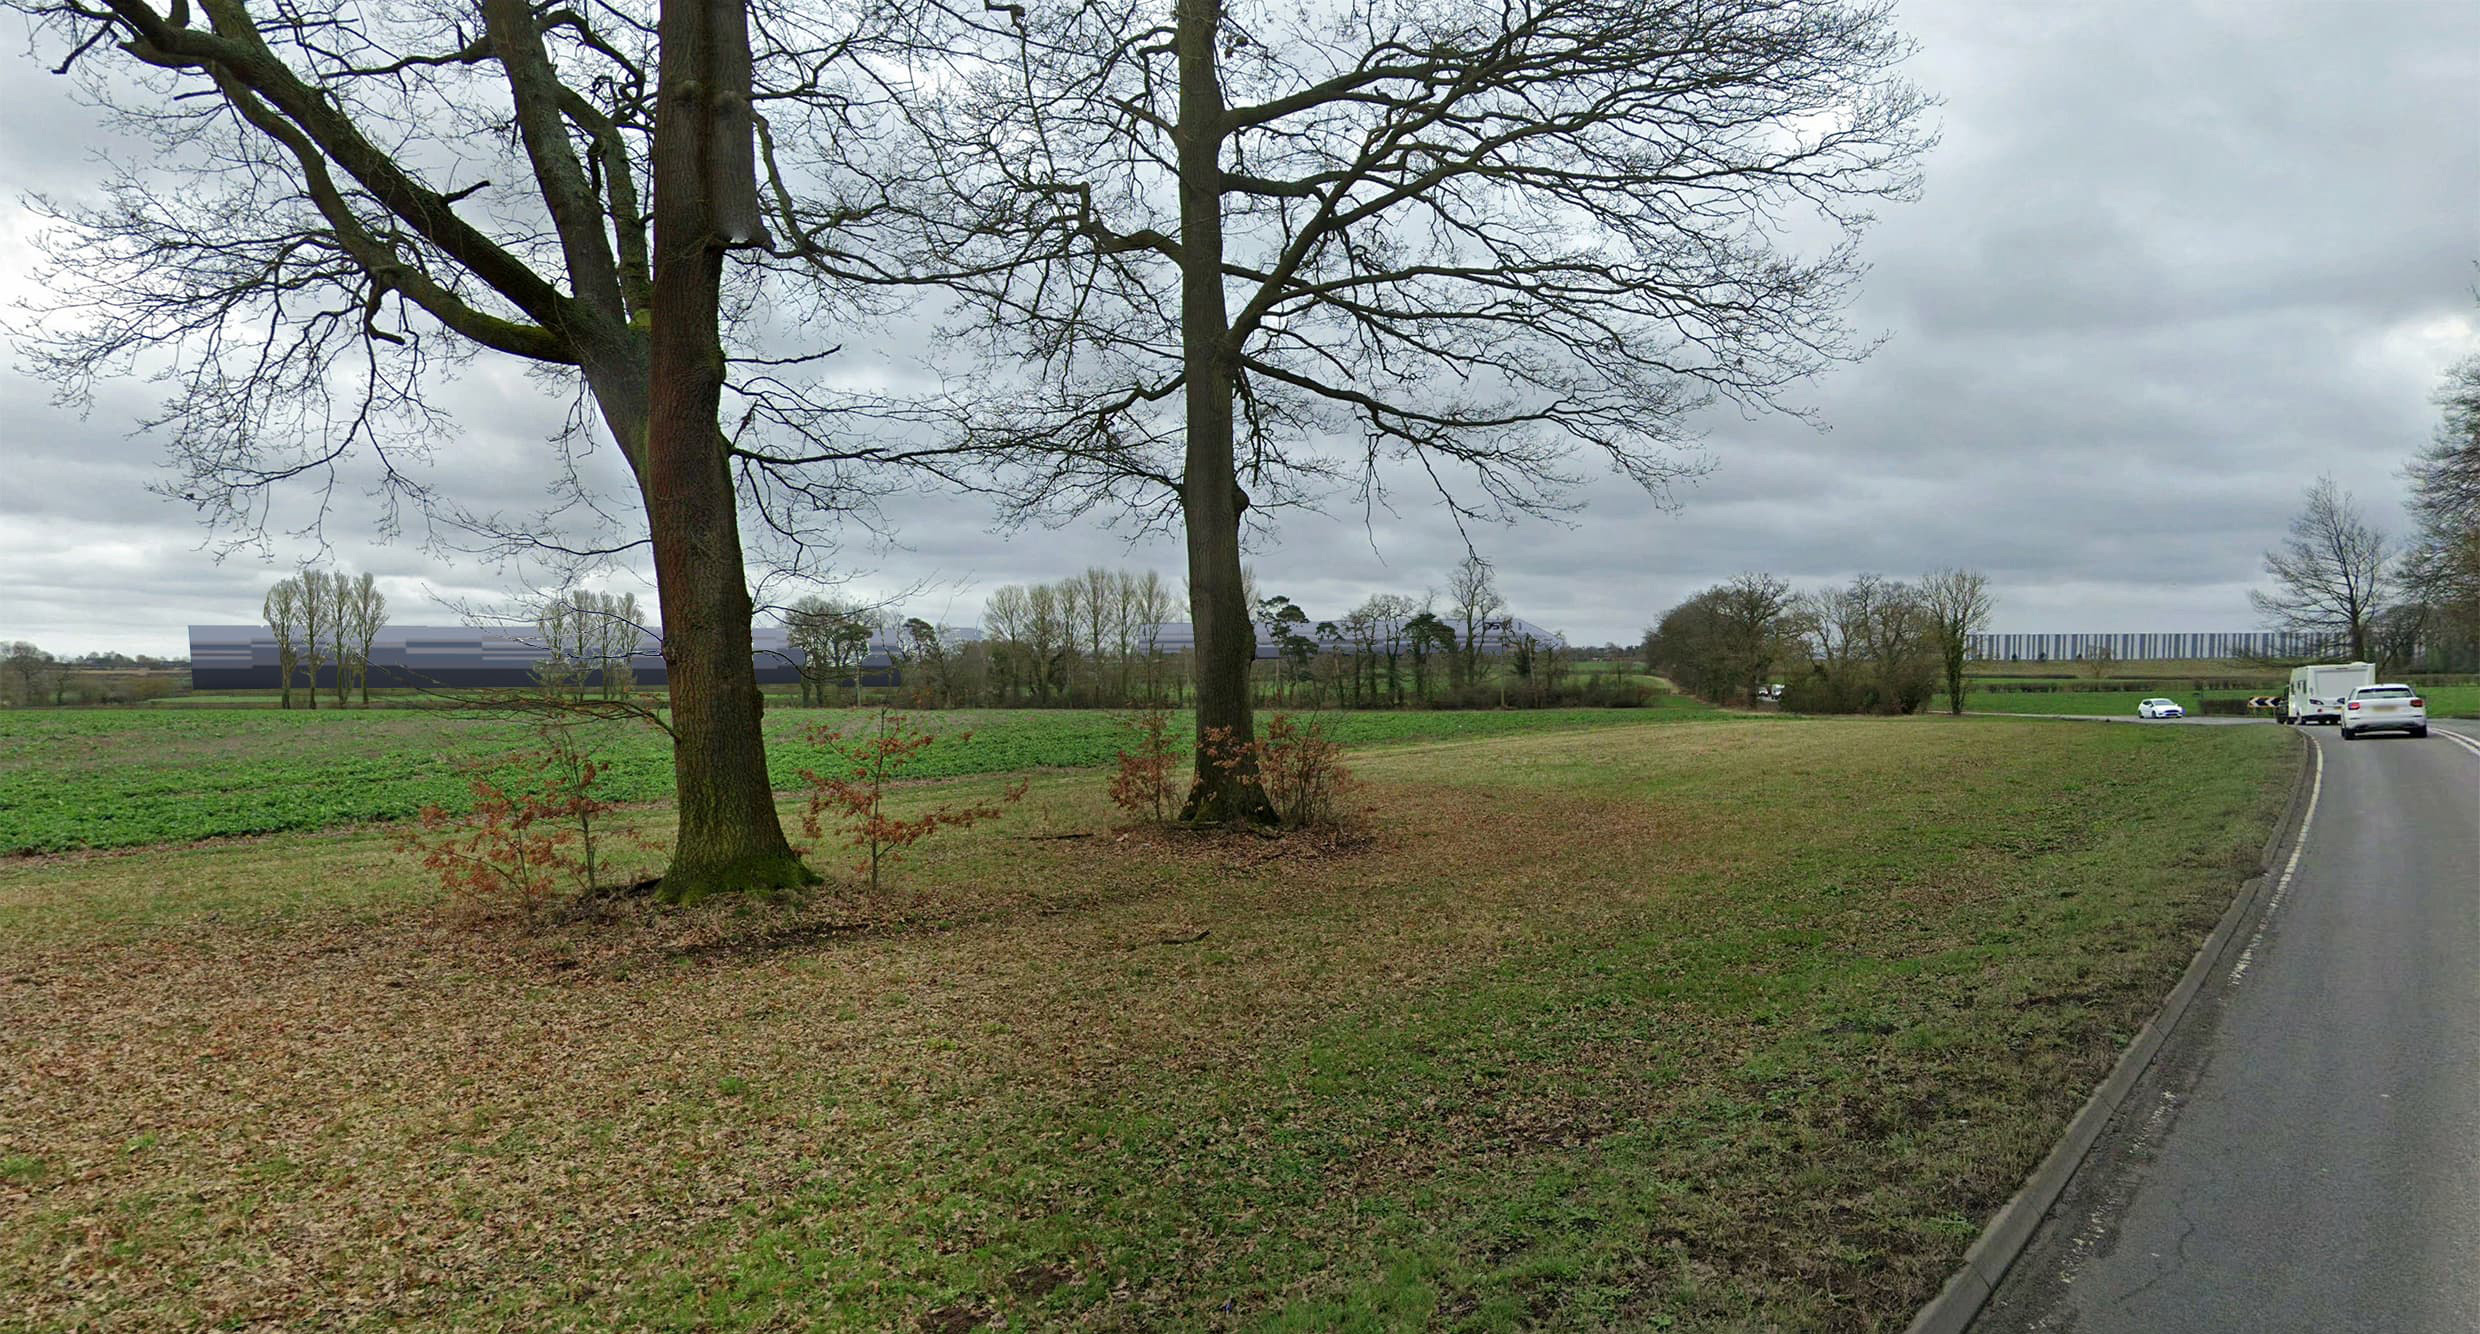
852,791
521,840
1145,785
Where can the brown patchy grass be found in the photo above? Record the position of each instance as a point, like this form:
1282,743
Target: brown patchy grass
1732,1026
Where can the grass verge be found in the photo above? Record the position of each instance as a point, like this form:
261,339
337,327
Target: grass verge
1741,1025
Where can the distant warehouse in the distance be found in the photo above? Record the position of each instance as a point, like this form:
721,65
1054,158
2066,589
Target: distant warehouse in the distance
2210,645
466,657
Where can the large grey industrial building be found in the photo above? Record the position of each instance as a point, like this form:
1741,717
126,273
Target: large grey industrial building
243,657
2203,645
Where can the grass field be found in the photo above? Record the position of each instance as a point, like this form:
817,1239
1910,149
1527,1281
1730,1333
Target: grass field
107,779
1732,1026
2443,701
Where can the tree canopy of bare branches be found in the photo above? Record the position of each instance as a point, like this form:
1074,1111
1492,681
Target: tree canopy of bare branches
348,201
1958,604
2441,567
1256,251
2329,574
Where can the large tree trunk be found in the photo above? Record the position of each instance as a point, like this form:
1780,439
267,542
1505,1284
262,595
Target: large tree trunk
1225,788
730,838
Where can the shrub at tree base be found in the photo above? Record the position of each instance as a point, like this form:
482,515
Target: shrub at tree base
853,792
1146,785
510,855
1300,767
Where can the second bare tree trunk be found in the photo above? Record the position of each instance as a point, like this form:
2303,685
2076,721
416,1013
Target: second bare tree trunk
1225,788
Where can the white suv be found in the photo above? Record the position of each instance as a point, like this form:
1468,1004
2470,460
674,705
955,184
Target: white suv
2384,708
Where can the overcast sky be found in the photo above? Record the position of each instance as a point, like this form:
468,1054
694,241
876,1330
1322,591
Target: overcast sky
2171,262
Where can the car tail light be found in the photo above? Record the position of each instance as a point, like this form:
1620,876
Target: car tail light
2354,704
2418,703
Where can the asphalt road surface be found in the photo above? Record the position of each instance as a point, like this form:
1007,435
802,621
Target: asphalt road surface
2304,1153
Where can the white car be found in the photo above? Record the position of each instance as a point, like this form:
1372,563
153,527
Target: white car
2160,708
2384,708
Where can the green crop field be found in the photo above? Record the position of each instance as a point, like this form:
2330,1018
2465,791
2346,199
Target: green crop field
124,778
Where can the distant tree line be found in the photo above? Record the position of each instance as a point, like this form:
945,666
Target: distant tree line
588,639
1094,640
1875,645
322,619
30,676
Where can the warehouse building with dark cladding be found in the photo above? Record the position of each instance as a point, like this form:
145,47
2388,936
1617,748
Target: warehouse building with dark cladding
464,657
454,657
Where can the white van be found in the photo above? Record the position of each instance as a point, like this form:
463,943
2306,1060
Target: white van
2318,693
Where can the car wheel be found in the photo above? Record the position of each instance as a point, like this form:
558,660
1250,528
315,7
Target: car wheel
2419,733
2349,735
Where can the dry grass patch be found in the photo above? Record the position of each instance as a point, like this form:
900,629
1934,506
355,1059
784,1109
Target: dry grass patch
1734,1024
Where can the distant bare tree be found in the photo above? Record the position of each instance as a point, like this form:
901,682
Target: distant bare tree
562,627
2441,568
1254,256
316,599
833,636
1051,638
1752,620
1472,600
364,615
1872,645
282,610
29,670
925,648
623,632
2329,574
1959,605
1008,621
1425,637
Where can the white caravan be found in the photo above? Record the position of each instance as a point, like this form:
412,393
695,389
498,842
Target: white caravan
2318,693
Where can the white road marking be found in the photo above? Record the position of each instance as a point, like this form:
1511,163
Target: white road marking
2459,739
2281,887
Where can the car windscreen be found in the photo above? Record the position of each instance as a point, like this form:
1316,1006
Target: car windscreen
2385,692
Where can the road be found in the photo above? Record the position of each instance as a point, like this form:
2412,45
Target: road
2304,1153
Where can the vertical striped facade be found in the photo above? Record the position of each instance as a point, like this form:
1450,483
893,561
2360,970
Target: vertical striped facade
2204,645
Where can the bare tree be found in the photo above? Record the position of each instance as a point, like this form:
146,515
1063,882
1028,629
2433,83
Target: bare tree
2098,658
1471,240
1050,638
1009,622
623,632
1751,623
561,669
282,610
365,614
926,647
2329,574
30,668
1472,599
1151,607
1425,636
1958,603
347,201
2442,565
317,603
833,637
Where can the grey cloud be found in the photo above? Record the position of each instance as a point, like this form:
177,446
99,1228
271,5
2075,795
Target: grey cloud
2171,262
